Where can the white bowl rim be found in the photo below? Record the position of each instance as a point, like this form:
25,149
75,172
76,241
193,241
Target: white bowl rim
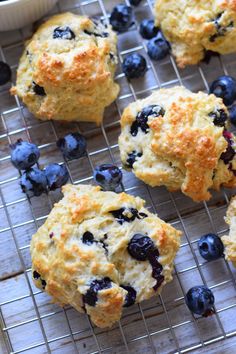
7,3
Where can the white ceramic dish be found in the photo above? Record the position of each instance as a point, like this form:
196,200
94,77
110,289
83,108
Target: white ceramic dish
15,14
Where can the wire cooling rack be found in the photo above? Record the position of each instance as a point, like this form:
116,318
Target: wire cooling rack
29,322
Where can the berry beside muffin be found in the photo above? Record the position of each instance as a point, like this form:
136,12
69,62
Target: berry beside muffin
179,139
101,251
193,27
67,69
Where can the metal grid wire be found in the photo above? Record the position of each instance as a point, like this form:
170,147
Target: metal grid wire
161,325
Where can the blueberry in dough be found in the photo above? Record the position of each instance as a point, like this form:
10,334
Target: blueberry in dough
90,298
63,32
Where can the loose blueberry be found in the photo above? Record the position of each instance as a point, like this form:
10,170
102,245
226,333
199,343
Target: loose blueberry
219,117
210,247
90,297
134,66
224,87
24,154
232,114
127,215
88,238
140,247
148,29
38,90
135,2
131,295
57,175
200,300
142,118
108,176
33,182
132,157
5,73
73,146
121,18
63,32
158,47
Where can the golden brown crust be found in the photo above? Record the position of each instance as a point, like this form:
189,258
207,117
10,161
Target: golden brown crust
192,27
182,149
68,266
77,75
230,240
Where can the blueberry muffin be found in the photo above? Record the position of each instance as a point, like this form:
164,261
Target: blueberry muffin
179,139
230,240
67,69
192,27
101,251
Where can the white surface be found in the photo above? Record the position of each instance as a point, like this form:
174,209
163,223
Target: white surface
18,13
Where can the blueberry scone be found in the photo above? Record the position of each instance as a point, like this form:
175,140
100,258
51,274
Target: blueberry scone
192,27
67,69
101,251
230,240
179,139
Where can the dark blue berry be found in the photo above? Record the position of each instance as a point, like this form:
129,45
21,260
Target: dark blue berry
63,32
156,268
44,284
108,176
142,118
88,238
33,182
57,175
219,117
135,2
121,18
24,154
220,30
90,298
232,114
210,247
140,247
228,155
200,300
36,275
131,295
158,47
5,73
148,29
132,157
134,66
224,87
38,90
72,146
127,215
